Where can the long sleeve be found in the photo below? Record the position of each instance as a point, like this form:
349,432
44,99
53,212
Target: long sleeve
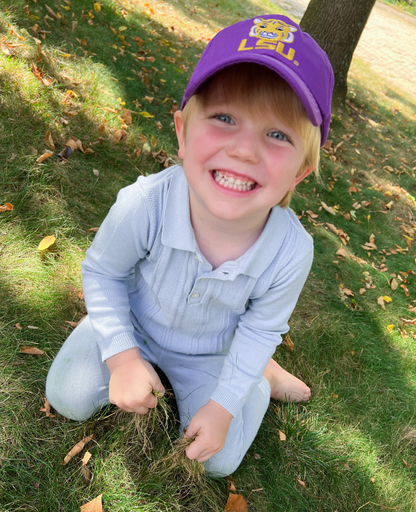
257,335
120,243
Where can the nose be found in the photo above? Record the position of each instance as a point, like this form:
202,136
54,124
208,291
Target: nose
244,145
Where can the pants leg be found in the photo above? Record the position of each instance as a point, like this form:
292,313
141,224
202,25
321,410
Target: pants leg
77,387
77,382
193,379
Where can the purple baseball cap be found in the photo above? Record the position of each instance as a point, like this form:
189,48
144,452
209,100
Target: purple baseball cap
278,43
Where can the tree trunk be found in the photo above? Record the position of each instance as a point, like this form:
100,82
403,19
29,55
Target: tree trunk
336,25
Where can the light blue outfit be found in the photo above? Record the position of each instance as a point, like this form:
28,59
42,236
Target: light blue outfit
212,332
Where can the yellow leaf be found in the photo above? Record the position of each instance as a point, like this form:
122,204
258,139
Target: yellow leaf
69,94
121,29
96,505
145,114
121,101
97,7
390,328
386,298
46,242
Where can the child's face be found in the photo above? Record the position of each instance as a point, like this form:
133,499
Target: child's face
239,165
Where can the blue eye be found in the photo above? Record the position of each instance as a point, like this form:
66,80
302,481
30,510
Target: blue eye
278,135
224,118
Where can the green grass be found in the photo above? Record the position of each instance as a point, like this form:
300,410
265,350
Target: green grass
349,443
407,5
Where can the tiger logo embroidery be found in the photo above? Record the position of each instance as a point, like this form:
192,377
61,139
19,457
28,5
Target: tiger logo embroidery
273,30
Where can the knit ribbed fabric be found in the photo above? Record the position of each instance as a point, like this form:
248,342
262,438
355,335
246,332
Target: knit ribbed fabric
144,273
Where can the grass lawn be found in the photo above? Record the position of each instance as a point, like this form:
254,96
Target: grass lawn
113,73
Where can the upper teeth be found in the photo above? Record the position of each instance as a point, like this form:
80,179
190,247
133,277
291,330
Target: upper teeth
230,182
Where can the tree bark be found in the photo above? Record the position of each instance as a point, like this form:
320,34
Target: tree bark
336,25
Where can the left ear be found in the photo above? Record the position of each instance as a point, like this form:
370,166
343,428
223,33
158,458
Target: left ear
301,175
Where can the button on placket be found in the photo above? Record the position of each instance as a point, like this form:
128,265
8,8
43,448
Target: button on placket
198,291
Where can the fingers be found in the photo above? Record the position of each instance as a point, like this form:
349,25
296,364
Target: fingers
197,451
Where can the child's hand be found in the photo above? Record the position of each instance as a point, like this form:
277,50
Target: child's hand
132,381
210,425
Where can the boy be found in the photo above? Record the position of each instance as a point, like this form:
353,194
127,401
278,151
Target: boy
195,270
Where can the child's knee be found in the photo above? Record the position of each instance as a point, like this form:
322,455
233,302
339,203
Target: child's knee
74,398
65,402
222,464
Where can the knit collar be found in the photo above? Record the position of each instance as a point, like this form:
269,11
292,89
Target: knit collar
178,232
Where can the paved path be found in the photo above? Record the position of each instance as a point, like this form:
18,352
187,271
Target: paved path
387,45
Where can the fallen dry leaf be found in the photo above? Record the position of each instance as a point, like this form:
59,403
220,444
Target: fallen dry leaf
288,343
342,252
92,230
7,207
119,135
86,458
230,484
257,456
236,503
96,505
75,143
46,242
47,408
39,75
77,448
339,232
301,483
51,12
86,474
49,140
18,326
329,209
407,464
380,301
282,436
127,116
43,157
31,350
75,324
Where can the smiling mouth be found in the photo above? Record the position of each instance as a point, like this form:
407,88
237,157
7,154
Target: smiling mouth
241,185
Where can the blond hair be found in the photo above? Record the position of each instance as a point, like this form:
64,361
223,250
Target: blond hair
259,89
